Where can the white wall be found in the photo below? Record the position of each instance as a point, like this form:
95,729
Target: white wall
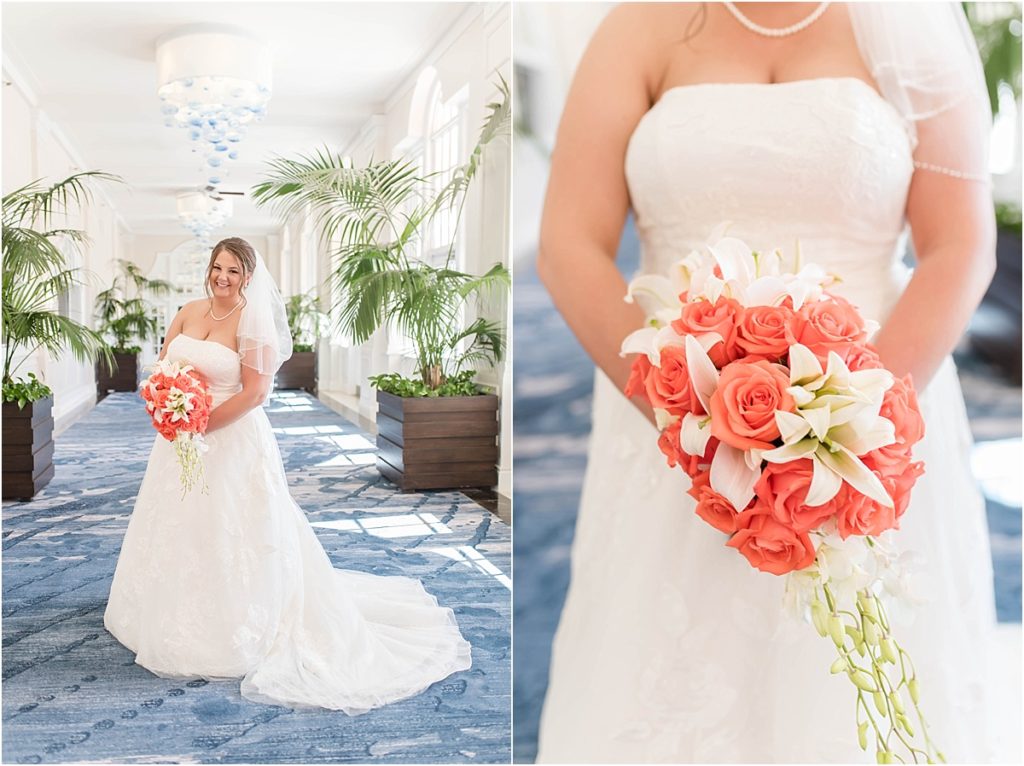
473,51
34,148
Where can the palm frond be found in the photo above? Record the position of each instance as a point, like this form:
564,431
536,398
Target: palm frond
34,202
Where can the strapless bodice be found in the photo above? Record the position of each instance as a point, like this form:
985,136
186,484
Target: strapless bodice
218,364
826,161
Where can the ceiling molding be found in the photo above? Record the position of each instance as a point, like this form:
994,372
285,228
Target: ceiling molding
451,36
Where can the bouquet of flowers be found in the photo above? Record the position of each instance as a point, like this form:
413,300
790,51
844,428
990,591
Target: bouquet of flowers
179,403
798,443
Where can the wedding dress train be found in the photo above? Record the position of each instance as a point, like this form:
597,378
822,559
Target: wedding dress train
671,648
234,583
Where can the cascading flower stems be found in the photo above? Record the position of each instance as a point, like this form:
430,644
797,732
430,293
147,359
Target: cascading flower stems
865,632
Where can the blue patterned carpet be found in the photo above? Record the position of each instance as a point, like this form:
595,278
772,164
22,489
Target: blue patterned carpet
71,692
553,388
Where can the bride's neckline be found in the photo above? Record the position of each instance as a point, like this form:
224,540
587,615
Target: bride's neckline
772,85
204,340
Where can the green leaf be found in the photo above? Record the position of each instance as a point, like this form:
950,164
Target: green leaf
373,219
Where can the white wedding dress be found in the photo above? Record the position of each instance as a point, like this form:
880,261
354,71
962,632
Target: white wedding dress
234,583
671,648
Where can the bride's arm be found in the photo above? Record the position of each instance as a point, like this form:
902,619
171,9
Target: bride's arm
255,388
174,329
587,199
953,227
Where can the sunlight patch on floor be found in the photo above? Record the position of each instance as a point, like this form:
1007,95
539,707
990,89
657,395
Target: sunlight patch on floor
402,525
474,559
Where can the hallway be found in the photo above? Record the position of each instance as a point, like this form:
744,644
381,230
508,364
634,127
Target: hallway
73,693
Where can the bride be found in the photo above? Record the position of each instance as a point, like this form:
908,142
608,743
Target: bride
234,583
843,125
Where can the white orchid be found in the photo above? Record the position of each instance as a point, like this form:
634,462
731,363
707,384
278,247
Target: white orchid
836,419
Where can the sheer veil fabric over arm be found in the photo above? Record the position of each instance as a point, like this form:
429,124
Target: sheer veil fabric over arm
671,648
925,61
264,340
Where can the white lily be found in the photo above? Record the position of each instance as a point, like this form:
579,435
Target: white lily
179,404
807,285
650,341
657,297
695,433
663,418
734,472
836,419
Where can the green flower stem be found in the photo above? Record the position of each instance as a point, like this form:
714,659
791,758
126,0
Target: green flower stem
864,630
191,462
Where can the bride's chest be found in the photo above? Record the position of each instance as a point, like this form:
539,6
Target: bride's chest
800,151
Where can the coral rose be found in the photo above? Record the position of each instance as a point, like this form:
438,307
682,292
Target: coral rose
832,324
699,317
668,386
898,486
711,506
863,356
668,443
768,331
638,376
744,404
671,448
770,545
899,406
860,515
783,489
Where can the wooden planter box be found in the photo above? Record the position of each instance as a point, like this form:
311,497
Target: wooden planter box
437,443
27,448
125,377
298,372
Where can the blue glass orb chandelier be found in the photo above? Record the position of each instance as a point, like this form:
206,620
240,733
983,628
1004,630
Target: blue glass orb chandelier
213,83
201,214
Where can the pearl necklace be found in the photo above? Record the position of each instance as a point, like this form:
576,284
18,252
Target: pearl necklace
785,31
220,319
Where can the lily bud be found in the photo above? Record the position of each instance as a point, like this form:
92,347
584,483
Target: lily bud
835,629
897,703
819,617
902,721
880,703
870,633
862,735
914,692
888,650
867,605
862,681
838,666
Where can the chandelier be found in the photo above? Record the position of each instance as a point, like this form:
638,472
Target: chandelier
201,214
213,82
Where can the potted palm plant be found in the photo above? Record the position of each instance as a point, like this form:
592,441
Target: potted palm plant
35,277
305,322
125,316
438,428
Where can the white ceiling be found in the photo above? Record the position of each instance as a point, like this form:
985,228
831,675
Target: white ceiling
91,65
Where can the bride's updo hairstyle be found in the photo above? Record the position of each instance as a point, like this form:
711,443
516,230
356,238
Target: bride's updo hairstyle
242,251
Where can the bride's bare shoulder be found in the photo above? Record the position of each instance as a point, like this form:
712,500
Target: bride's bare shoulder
640,37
